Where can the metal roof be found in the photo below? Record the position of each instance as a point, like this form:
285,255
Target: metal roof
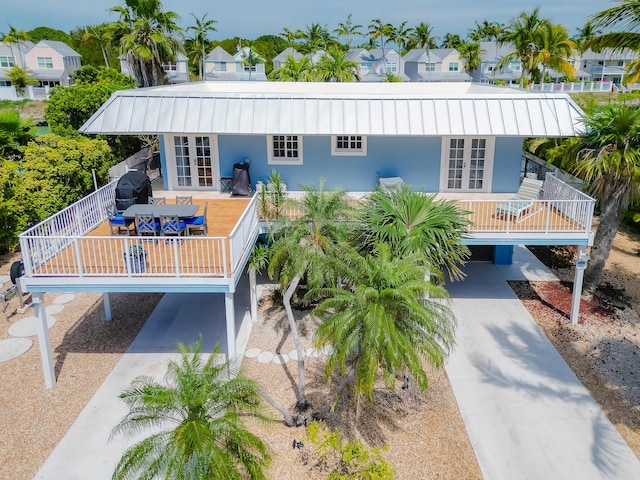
302,108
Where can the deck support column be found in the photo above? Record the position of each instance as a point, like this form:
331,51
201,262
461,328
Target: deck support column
581,265
43,339
107,306
231,326
254,295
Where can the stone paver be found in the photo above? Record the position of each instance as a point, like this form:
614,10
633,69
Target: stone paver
64,298
265,357
27,326
252,352
14,347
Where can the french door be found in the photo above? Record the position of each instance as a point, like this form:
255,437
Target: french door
197,165
466,164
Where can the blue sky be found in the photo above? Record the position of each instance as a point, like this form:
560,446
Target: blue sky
251,18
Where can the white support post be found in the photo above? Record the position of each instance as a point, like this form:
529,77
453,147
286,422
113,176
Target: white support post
231,327
581,265
43,340
254,295
107,306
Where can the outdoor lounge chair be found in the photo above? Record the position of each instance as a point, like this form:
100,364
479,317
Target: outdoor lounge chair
522,204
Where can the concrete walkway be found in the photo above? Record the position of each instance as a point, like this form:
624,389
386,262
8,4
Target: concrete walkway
526,413
85,451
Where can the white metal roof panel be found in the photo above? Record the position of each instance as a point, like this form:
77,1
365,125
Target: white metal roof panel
329,109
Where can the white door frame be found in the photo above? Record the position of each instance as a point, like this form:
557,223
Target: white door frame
172,163
488,164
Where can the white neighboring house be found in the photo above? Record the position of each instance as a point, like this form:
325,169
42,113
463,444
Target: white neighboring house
608,65
281,58
435,65
177,70
221,65
374,64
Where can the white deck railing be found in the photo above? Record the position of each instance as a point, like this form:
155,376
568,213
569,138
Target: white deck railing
573,203
59,246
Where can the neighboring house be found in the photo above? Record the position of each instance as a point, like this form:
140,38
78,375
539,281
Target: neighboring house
492,53
221,65
281,58
435,65
177,70
50,62
374,64
462,141
608,65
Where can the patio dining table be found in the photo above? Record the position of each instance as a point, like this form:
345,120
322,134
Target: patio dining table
182,211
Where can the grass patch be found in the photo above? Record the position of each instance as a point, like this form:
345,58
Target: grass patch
13,103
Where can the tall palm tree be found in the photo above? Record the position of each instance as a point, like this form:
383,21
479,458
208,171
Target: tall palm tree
412,222
380,32
251,58
555,49
525,35
17,36
486,31
388,318
301,249
422,38
400,35
585,34
625,19
147,38
293,70
451,40
348,30
290,36
316,37
334,67
196,420
608,156
471,53
103,34
200,38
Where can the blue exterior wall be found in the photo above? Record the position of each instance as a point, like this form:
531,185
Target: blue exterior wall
507,164
415,159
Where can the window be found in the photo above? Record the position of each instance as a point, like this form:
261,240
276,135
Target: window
355,145
45,62
467,164
429,67
183,162
219,66
5,83
7,62
249,68
365,67
392,67
170,67
284,149
453,66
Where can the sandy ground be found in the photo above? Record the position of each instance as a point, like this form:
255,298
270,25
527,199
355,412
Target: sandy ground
425,435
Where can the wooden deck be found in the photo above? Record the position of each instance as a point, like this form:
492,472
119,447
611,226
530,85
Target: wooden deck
101,254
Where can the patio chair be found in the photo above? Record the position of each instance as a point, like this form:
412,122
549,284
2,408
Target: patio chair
117,223
146,225
198,224
184,200
170,225
157,201
522,204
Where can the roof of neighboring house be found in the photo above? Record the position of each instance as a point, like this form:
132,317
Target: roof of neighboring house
493,51
46,74
435,54
218,54
610,54
308,108
60,47
289,51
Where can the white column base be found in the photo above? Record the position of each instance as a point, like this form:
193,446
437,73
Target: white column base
107,306
230,314
581,265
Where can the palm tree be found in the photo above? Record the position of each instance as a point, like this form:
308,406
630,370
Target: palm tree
316,37
19,37
293,70
525,35
380,32
196,419
301,248
200,34
389,317
400,35
422,38
486,31
290,36
103,34
147,38
554,50
626,18
411,222
348,30
608,156
471,54
251,58
334,67
15,133
585,34
451,40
